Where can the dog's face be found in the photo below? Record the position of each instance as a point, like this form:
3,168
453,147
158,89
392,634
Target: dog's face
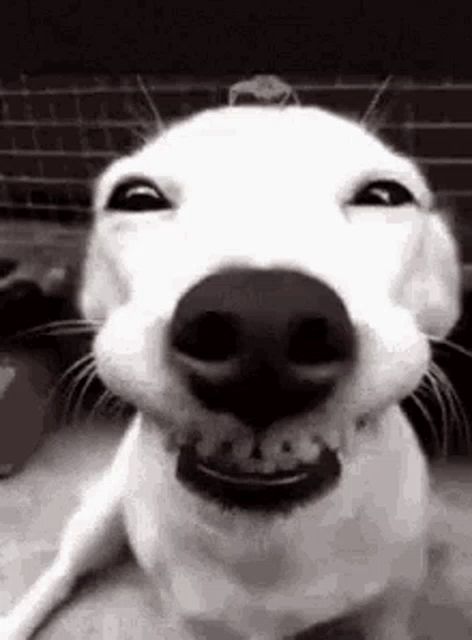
265,280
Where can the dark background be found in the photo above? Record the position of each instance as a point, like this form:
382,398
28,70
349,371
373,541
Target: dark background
227,37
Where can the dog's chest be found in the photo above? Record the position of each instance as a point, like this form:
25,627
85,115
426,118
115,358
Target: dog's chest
276,591
227,590
230,597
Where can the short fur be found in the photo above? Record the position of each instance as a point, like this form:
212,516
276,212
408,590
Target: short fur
263,187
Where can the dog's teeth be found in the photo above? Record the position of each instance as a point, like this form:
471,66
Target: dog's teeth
240,456
242,449
250,466
205,448
268,466
309,451
287,463
264,466
333,440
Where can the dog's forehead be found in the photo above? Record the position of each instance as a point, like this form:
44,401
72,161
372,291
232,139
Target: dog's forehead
271,134
291,147
235,124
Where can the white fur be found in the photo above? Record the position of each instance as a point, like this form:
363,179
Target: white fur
264,187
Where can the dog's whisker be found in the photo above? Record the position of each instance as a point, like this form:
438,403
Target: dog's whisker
109,404
443,389
457,412
439,394
436,428
42,329
117,409
143,129
375,100
71,370
453,415
151,104
460,415
452,345
81,370
439,444
430,387
87,381
70,331
105,401
73,388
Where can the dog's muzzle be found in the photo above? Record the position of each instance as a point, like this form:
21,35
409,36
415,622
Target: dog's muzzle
261,345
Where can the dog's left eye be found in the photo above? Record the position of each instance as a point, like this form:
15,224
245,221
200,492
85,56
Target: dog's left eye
383,193
138,195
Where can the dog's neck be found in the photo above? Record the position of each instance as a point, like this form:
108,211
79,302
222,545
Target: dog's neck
376,513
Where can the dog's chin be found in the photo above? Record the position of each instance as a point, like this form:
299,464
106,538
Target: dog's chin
279,491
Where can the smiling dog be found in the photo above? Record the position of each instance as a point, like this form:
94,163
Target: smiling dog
265,281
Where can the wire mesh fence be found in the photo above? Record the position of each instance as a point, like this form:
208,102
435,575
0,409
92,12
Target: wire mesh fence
58,132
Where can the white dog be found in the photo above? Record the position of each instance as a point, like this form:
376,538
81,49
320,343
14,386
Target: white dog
265,281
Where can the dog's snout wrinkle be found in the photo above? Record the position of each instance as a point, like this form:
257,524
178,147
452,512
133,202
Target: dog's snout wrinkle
261,344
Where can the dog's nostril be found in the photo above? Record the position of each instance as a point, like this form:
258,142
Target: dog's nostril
314,341
209,337
309,341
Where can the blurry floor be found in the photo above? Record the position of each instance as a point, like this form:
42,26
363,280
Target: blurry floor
118,605
33,508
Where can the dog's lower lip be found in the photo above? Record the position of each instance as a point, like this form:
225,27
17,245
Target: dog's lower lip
253,479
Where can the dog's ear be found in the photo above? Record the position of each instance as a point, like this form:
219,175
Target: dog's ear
433,287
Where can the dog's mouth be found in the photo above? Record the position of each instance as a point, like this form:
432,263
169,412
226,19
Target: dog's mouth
266,491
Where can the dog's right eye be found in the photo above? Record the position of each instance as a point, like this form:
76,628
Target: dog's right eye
386,193
138,195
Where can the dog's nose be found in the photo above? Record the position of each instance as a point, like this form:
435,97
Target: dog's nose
261,344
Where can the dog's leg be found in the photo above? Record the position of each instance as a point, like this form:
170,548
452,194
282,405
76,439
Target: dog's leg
92,538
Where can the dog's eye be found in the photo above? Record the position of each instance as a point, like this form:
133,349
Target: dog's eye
138,195
383,193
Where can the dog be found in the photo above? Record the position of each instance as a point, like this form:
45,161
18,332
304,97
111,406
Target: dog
266,282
